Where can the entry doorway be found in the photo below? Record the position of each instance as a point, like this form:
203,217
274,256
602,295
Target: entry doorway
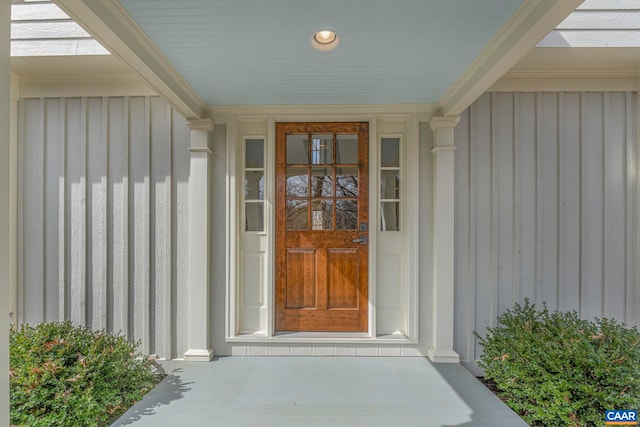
322,228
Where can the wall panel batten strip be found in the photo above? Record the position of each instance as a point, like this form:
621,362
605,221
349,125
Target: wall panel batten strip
161,217
631,171
63,276
119,213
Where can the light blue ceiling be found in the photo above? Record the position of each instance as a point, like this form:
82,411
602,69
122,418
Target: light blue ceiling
257,52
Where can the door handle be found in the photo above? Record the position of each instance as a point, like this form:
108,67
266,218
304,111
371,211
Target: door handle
362,240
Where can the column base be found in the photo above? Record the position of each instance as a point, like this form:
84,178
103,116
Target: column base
199,355
443,356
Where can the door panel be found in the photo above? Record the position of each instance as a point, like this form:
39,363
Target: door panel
321,226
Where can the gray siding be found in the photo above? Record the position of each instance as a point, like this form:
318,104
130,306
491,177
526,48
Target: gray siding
104,216
598,23
41,28
546,207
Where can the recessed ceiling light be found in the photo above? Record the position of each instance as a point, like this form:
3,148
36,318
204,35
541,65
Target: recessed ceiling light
325,40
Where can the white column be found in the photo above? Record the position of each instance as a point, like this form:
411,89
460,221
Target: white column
5,209
199,225
443,244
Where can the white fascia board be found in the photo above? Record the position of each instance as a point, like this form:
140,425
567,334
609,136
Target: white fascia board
109,22
533,20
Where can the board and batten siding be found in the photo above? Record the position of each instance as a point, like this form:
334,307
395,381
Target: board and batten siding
103,211
546,208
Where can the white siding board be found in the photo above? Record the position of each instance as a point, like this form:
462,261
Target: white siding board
140,180
548,199
614,205
503,143
161,163
33,211
63,276
97,213
601,19
631,313
118,213
593,208
180,228
57,47
526,194
608,4
37,12
463,320
76,214
48,30
569,196
53,168
480,153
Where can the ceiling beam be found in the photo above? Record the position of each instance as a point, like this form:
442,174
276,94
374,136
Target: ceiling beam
533,20
110,23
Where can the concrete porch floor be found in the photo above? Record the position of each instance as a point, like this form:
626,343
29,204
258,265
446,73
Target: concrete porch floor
317,391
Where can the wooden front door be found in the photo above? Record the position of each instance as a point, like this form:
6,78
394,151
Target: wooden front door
322,176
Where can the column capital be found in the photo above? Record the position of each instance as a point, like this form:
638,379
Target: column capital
444,122
201,124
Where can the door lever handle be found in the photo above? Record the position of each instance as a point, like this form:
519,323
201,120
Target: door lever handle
362,240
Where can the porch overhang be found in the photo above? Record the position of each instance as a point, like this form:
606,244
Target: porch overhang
113,26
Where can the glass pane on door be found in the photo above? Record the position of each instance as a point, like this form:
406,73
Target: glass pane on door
321,149
346,214
346,149
297,182
321,182
297,215
297,149
346,182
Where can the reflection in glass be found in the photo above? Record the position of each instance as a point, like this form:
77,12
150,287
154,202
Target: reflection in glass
297,215
297,149
390,184
297,182
346,214
390,152
347,149
321,182
321,149
254,153
254,185
254,217
346,182
390,216
322,215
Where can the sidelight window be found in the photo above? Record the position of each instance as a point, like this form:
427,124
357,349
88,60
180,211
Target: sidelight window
254,184
390,175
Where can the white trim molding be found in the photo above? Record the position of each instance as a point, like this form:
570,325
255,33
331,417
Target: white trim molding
110,23
526,27
5,207
199,292
441,350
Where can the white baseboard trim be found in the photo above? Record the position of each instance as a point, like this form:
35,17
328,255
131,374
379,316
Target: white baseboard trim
198,355
443,356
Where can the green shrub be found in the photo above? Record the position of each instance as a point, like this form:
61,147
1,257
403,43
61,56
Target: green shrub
556,369
63,375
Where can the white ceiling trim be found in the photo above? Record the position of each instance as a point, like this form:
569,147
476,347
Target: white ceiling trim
527,26
109,22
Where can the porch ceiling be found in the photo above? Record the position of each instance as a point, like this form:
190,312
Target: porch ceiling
252,52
